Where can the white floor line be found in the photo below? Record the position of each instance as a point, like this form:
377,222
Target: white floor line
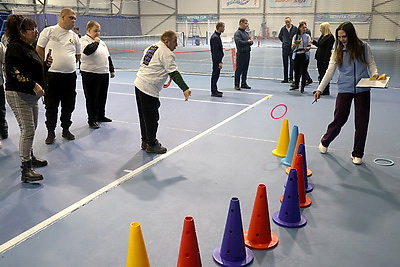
65,212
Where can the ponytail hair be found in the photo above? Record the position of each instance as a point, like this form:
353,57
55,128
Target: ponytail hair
17,23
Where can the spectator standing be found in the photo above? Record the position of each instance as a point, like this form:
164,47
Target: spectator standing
243,47
286,36
157,63
353,59
301,55
217,54
66,51
324,52
95,70
308,31
25,74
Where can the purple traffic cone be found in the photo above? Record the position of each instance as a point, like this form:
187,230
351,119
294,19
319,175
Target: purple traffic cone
302,151
233,251
287,161
289,214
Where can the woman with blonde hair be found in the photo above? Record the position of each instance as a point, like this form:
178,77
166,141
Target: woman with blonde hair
324,51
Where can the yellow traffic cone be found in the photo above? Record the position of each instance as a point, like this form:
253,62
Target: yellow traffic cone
137,254
283,141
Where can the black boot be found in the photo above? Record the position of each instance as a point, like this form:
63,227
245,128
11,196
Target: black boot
37,163
29,174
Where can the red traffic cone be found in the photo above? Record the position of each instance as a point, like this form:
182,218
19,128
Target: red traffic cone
259,235
189,254
305,201
300,140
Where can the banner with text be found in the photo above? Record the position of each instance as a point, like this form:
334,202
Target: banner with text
289,3
240,3
339,18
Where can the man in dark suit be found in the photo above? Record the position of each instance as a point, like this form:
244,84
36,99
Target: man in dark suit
286,35
217,54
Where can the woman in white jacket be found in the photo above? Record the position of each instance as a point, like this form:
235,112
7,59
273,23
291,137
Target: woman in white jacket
96,64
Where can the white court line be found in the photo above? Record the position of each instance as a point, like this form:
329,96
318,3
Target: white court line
67,211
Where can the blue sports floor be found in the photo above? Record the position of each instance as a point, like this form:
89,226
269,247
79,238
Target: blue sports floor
219,148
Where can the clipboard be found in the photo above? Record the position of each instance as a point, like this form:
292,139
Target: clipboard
366,82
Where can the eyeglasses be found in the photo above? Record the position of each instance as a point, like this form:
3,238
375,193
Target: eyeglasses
33,29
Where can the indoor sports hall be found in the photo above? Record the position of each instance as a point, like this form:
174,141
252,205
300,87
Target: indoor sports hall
106,202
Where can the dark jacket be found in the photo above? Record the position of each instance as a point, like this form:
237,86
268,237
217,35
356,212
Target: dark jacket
241,41
324,50
217,50
23,68
286,37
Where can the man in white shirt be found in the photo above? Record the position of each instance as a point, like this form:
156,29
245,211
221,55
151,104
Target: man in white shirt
157,63
65,48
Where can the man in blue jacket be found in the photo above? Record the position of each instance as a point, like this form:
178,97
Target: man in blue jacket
217,54
243,43
285,36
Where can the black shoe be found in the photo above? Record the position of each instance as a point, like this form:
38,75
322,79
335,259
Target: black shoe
293,87
237,87
28,174
290,80
217,94
245,86
309,82
157,148
143,145
37,163
68,135
302,90
50,138
93,125
284,81
104,119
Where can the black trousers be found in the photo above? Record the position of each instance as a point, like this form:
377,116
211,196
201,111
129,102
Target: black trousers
148,116
362,102
216,71
300,69
287,64
242,66
3,121
95,87
322,67
61,89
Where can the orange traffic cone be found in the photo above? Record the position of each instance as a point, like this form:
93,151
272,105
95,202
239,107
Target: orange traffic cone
305,201
300,140
137,254
189,254
283,141
259,235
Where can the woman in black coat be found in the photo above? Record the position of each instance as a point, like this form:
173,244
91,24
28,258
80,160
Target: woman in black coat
324,51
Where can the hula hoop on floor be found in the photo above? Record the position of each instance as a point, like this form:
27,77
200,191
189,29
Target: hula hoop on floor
384,162
284,113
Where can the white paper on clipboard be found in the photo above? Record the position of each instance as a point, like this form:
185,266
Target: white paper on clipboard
366,82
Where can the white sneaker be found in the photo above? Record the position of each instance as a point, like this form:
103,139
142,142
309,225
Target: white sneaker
322,149
357,161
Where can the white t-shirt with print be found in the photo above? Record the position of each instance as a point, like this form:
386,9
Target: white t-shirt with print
64,45
157,61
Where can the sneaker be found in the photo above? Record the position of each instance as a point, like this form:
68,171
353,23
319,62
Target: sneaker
322,149
157,148
104,119
356,160
237,87
245,86
50,138
68,135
